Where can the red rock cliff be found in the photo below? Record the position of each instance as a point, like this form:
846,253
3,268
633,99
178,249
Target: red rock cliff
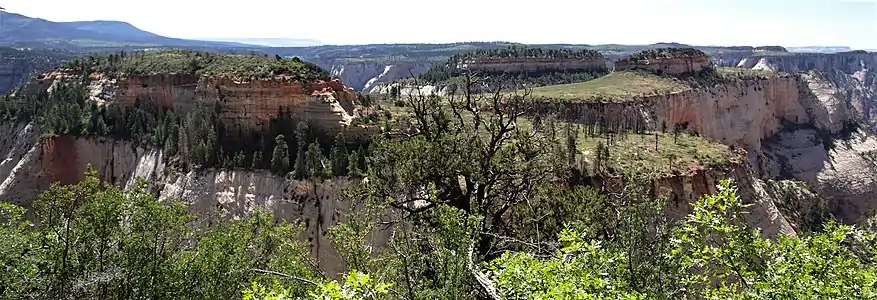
328,104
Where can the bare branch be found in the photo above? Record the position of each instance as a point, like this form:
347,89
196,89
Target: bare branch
302,280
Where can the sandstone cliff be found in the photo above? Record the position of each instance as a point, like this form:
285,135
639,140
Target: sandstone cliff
852,76
328,104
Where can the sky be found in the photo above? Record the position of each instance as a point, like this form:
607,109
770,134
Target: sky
788,23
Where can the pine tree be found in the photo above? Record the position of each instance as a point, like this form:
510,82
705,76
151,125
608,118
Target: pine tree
301,130
314,162
353,164
571,145
280,157
338,157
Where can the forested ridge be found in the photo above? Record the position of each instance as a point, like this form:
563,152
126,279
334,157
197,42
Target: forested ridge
485,196
200,64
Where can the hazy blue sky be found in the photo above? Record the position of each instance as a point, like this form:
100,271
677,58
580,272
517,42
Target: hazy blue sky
702,22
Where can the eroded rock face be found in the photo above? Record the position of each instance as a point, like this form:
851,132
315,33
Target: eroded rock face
328,104
851,76
363,76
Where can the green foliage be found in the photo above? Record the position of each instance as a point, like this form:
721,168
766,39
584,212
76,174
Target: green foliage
591,272
356,286
338,156
280,158
95,241
198,64
712,254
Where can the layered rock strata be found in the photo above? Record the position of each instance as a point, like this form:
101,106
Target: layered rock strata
328,104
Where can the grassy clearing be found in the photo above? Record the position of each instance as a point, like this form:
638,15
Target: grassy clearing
674,156
618,86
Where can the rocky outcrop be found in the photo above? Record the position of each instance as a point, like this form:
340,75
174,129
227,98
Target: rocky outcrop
328,104
669,66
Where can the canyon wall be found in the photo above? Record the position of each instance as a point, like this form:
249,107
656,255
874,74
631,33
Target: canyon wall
365,75
851,75
328,104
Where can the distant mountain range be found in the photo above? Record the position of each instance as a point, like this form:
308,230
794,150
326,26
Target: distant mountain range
16,29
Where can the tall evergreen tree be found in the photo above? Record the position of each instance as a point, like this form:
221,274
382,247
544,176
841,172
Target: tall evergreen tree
280,158
315,162
301,134
338,157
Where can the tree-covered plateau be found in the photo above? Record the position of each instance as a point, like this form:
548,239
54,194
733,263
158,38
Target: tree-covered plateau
451,72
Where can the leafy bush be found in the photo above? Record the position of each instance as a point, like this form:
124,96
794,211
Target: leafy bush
95,241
